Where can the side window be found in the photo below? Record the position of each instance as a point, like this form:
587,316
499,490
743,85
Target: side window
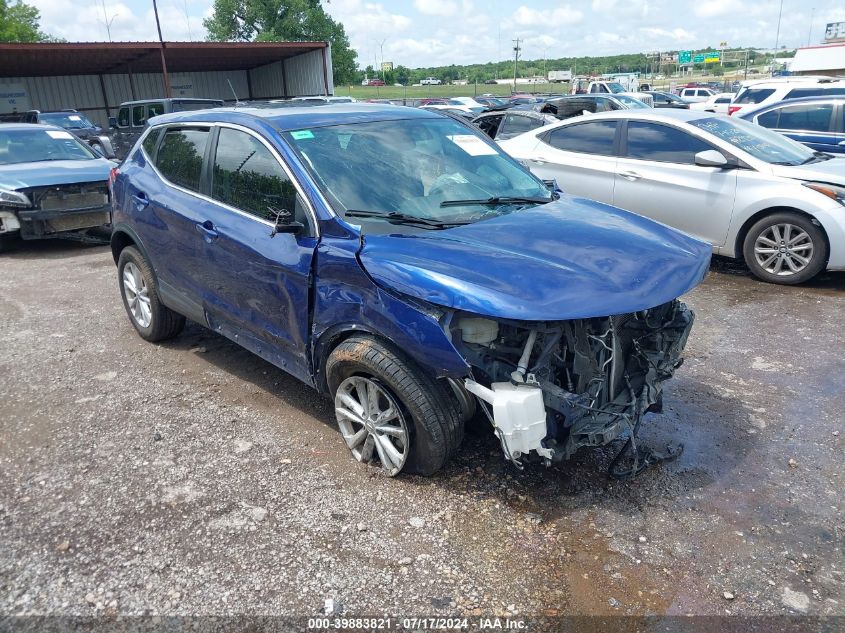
514,125
723,100
587,138
797,93
248,177
150,142
490,125
769,119
811,117
123,117
180,156
154,109
139,115
649,141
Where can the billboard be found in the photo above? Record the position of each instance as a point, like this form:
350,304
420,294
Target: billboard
835,32
387,67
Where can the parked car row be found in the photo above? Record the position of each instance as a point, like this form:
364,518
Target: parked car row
749,192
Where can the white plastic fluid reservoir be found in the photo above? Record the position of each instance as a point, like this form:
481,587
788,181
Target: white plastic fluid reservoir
519,413
479,331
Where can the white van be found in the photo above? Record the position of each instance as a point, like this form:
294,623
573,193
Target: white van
760,93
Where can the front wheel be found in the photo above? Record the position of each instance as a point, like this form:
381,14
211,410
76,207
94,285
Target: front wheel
785,248
388,411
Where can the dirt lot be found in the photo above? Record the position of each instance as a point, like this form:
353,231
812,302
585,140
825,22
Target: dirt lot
193,477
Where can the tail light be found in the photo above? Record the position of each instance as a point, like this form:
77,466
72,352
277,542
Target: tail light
113,175
733,109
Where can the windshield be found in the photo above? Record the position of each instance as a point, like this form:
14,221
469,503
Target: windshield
38,144
412,167
616,88
761,143
67,120
631,103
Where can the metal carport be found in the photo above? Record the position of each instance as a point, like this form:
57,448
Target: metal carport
95,77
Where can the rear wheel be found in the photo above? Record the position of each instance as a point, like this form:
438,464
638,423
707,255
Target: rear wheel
785,248
152,320
388,411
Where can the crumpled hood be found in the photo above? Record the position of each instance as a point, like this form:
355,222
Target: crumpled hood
54,172
570,259
830,171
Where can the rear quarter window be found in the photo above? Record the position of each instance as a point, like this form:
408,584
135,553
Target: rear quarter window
180,156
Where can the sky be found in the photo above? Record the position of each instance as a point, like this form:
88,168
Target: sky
420,33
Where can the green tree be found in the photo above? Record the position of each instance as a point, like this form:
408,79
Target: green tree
19,23
283,20
403,75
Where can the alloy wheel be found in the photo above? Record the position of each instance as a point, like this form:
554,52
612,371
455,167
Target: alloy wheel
372,423
137,295
783,249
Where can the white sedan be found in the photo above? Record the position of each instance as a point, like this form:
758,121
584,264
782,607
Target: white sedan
750,192
717,103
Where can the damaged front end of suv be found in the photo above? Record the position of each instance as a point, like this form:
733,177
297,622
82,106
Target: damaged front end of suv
553,387
567,318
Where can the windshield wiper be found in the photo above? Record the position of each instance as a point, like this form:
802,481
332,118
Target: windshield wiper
817,156
497,200
401,218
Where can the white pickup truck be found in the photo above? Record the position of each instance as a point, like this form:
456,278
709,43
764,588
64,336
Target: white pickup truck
583,85
430,81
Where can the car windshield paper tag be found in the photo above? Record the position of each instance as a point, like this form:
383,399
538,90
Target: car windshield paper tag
58,134
300,135
472,145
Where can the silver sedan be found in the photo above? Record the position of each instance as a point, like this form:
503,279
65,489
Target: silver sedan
750,192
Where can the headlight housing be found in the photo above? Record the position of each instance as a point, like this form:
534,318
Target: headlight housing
16,199
834,192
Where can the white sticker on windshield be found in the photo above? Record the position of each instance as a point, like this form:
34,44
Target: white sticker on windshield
472,145
75,117
59,134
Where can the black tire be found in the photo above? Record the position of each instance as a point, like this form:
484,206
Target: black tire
165,323
436,429
817,260
9,241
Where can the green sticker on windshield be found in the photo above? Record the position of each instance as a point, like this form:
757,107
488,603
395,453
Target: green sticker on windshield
299,135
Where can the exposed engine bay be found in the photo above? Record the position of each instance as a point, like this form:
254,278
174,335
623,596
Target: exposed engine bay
66,211
551,388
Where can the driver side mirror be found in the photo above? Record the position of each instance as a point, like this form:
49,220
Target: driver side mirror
711,158
112,122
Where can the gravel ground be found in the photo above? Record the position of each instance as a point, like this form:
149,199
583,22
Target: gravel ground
194,478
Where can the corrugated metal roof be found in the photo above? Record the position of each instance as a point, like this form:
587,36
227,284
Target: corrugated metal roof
819,58
94,58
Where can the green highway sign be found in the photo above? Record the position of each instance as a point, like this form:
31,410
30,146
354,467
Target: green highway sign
685,57
698,59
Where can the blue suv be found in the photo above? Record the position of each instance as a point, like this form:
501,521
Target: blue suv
404,265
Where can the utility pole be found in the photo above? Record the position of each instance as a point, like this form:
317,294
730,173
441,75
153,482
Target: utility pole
777,35
108,22
164,76
381,61
810,32
516,50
